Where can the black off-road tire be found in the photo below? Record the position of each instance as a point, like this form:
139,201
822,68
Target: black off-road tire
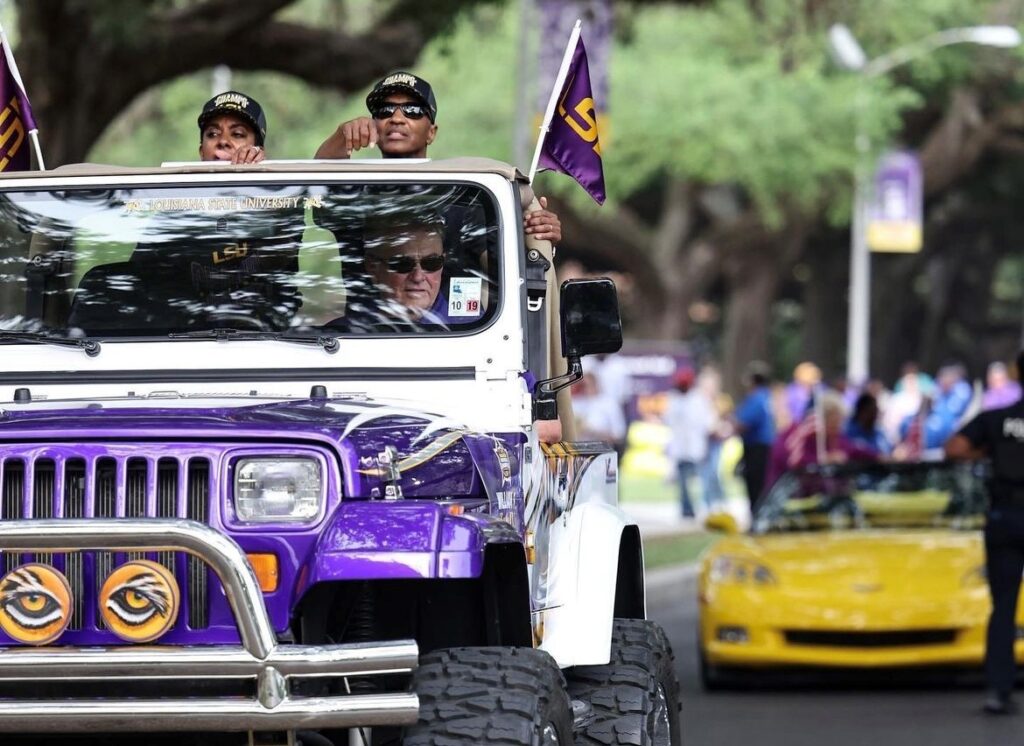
624,694
490,696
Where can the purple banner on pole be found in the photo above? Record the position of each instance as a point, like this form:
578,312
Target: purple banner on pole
571,145
895,216
16,118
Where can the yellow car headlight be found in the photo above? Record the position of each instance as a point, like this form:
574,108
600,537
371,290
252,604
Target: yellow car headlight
740,570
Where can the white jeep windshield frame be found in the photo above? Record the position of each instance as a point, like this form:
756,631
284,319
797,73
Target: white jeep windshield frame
491,354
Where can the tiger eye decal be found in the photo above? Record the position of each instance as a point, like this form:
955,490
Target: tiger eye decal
139,601
35,604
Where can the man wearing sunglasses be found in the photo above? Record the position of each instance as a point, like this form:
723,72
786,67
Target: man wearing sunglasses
402,124
406,260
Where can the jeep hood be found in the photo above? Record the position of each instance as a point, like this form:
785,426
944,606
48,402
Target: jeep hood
436,457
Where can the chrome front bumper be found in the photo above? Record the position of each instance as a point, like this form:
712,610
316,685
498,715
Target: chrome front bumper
272,667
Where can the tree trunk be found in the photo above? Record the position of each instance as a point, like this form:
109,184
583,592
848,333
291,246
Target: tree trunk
825,301
753,279
896,315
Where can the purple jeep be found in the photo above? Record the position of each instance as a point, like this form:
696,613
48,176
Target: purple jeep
269,465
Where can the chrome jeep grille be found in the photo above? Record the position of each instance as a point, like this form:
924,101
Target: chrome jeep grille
56,482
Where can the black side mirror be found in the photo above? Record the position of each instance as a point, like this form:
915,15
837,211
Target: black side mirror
590,318
590,325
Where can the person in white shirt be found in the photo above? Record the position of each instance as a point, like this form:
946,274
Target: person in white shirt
598,416
690,418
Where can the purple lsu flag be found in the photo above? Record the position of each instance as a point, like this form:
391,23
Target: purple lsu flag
571,145
16,118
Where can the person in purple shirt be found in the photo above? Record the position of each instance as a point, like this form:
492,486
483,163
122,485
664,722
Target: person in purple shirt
805,446
1002,391
799,391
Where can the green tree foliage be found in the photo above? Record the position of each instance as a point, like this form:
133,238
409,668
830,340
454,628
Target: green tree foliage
731,92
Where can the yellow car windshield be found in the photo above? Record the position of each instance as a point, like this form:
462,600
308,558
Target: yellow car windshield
875,496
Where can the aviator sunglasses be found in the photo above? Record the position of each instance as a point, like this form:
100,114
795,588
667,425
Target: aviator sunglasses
402,264
412,111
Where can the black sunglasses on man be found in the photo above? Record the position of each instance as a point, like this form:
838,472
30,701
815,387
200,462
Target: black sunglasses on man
410,110
403,264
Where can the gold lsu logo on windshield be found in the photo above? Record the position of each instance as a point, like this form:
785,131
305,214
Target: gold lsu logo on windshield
35,604
230,252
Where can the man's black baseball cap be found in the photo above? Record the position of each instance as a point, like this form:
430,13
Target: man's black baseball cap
242,106
402,82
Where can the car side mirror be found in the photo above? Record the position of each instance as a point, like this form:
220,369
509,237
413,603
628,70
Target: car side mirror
590,318
590,325
723,523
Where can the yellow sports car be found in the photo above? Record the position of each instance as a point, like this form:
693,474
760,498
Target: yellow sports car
857,566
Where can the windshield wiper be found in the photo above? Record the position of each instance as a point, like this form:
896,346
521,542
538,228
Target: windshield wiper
90,346
329,344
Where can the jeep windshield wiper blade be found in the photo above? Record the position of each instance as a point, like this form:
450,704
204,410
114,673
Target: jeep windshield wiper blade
90,346
329,344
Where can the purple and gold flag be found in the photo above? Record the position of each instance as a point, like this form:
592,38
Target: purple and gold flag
571,145
16,119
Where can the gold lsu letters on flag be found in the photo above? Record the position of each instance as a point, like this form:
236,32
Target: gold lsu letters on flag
585,110
15,128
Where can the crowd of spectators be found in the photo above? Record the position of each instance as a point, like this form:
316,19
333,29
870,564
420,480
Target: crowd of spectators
788,424
806,420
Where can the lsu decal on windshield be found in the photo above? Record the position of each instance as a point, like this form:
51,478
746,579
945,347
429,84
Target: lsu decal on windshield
35,604
139,601
229,252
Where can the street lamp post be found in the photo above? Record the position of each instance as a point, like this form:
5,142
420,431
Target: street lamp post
848,53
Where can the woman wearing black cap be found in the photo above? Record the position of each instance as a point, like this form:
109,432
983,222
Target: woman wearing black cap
232,127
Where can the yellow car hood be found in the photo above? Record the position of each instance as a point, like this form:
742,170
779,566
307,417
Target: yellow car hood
855,579
900,560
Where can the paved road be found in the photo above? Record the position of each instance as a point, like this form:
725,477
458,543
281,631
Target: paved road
816,715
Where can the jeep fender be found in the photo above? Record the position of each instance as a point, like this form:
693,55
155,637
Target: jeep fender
599,577
382,540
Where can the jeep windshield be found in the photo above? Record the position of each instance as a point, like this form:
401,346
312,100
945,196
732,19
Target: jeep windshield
190,262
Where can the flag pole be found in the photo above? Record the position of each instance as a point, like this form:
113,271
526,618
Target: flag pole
563,71
33,134
819,424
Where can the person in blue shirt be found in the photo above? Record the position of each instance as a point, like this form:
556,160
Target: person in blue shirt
953,397
942,412
862,428
756,425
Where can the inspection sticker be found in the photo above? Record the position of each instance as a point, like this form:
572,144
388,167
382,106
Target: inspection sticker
464,296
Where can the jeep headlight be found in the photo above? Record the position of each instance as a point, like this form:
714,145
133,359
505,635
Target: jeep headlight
278,489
